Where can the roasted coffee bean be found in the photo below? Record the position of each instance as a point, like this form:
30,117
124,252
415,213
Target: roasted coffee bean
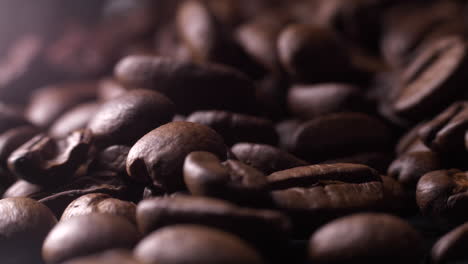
109,89
107,257
410,167
237,127
127,118
45,161
286,130
22,188
208,86
338,135
205,175
11,118
308,102
24,224
442,194
451,246
48,103
446,132
411,141
313,195
13,139
366,238
265,158
113,158
194,19
86,235
376,160
159,156
302,48
193,244
74,119
431,81
265,229
100,203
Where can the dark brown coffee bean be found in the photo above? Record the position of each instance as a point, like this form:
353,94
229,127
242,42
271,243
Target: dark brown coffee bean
411,141
195,19
342,134
410,167
159,156
205,175
113,158
48,103
237,127
13,139
443,194
431,80
127,118
89,234
376,160
100,203
109,89
193,244
265,158
46,161
286,130
302,48
119,256
366,238
180,80
263,228
446,132
22,188
308,102
24,224
74,119
451,246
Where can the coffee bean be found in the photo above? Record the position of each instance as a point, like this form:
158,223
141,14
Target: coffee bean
335,135
446,132
195,19
24,224
180,80
109,89
441,194
127,118
48,103
432,79
107,257
366,238
376,160
451,246
265,158
74,119
100,203
308,102
194,244
22,188
410,167
411,141
237,127
45,161
302,48
158,157
286,130
113,158
89,234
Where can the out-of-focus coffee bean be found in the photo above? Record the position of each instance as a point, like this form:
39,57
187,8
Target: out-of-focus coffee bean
411,141
431,80
107,257
410,167
74,119
194,244
109,89
48,103
207,40
303,48
265,158
340,134
86,235
24,224
308,102
45,161
443,195
22,188
100,203
209,86
451,246
236,128
159,156
446,132
113,158
366,238
127,118
286,130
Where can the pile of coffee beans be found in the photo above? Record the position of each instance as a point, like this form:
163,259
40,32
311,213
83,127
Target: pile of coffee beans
233,131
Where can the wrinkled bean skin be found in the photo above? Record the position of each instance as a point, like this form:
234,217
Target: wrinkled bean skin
158,157
201,245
